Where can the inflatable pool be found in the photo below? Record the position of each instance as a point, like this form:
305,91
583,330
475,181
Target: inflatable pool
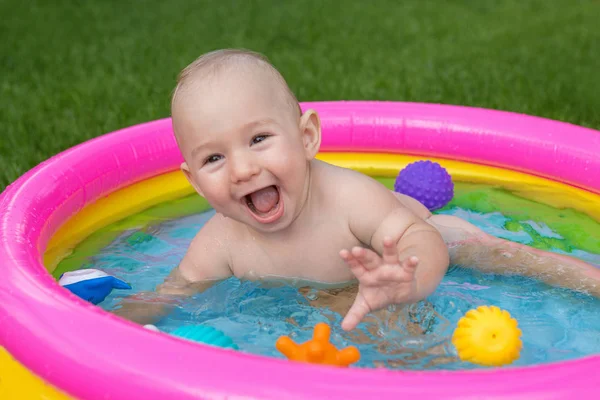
55,345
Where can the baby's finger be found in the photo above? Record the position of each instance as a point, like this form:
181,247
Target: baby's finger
355,265
410,266
368,258
357,312
390,252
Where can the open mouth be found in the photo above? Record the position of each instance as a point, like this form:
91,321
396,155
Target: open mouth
265,204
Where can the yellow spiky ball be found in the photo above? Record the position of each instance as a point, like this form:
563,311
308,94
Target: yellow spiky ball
488,336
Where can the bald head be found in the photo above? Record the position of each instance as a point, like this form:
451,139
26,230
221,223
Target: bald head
214,65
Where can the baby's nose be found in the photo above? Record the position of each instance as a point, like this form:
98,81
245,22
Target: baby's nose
243,169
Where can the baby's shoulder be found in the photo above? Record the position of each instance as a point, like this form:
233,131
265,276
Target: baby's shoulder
353,195
349,182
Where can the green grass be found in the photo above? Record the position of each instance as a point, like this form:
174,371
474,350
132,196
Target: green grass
73,70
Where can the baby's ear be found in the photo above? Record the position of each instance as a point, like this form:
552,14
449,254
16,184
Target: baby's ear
310,129
186,171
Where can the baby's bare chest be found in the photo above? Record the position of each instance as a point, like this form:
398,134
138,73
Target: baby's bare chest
313,256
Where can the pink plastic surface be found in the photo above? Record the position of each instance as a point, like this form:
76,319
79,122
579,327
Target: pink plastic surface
112,358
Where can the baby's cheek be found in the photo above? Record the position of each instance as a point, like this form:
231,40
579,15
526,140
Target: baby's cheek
295,170
215,192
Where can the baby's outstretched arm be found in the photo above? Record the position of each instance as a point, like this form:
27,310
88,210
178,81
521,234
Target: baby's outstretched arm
406,257
204,264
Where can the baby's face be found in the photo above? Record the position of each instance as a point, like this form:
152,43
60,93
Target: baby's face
244,150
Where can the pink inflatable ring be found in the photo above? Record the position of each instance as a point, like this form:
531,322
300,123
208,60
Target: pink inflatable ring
37,317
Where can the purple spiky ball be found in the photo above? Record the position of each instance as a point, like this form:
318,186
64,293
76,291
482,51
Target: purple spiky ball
426,181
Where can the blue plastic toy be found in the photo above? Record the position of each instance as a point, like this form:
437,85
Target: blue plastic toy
205,334
91,284
426,181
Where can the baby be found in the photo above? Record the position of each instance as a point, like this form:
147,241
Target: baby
281,213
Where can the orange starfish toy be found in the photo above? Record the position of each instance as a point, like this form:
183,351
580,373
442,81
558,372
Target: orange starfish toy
318,350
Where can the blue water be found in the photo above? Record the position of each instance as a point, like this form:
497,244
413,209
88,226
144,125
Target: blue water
557,324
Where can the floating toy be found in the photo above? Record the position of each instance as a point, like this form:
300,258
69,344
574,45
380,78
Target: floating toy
205,334
91,284
318,350
201,334
426,181
488,336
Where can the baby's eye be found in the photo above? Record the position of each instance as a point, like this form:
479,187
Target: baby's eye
212,158
259,138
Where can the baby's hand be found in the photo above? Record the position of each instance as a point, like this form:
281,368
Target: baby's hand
381,280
